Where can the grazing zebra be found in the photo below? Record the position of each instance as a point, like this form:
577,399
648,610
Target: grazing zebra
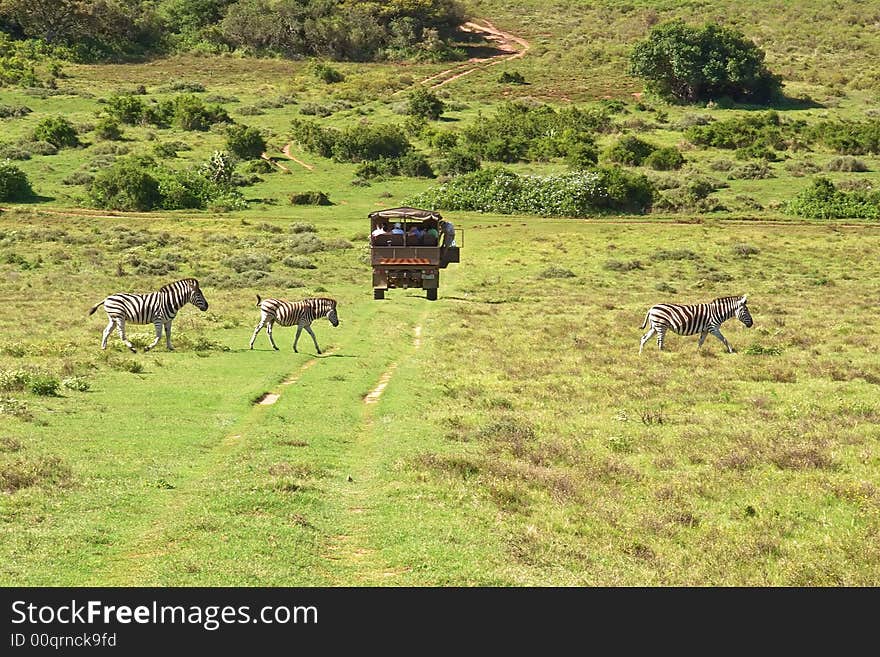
703,318
158,308
287,313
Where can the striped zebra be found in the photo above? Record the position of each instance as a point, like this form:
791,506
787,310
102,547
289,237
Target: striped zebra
703,318
287,313
158,308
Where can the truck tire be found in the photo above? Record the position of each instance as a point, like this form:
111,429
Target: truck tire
432,294
378,294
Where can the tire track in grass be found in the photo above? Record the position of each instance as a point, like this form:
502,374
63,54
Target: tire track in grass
347,551
131,566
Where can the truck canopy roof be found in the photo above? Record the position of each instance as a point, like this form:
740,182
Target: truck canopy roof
404,213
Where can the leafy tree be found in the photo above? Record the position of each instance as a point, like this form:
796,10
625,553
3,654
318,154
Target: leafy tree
244,142
690,64
424,103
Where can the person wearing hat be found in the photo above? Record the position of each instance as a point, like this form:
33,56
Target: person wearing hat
397,230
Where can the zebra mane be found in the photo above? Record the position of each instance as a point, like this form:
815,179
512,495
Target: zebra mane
314,300
723,299
193,281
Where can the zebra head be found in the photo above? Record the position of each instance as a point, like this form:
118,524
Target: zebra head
332,316
196,297
742,312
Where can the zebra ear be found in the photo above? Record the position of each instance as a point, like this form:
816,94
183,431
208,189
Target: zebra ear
744,299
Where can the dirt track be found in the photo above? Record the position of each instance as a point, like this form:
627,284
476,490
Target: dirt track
510,45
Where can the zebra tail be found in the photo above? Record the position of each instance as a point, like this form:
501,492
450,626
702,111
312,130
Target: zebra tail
95,307
259,300
645,323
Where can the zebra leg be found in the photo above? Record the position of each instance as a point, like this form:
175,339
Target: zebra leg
269,331
299,329
702,338
717,334
314,339
661,333
645,338
158,326
257,330
120,328
107,332
168,335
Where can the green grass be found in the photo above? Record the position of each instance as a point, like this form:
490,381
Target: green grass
523,442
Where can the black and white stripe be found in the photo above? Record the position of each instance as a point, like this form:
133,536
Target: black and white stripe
287,313
703,318
157,308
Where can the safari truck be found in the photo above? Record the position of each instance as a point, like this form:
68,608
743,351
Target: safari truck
408,248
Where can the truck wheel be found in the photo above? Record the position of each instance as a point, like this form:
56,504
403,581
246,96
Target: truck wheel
378,294
432,294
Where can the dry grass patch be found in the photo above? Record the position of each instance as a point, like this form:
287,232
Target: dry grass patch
25,472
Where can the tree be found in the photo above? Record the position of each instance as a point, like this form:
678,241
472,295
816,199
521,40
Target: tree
57,130
690,64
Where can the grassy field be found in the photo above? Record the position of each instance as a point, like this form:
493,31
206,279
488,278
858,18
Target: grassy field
519,438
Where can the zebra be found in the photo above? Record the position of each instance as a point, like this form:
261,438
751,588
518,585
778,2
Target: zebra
158,308
703,318
287,313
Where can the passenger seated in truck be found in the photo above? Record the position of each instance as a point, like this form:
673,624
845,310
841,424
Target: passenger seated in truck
431,237
415,234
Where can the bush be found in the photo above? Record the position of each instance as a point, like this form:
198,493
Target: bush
575,194
309,198
629,150
369,142
14,184
298,262
165,150
822,200
128,185
326,73
78,178
259,166
78,383
190,113
665,159
57,130
13,152
44,385
424,103
511,78
126,108
108,129
14,111
41,148
457,162
846,163
244,142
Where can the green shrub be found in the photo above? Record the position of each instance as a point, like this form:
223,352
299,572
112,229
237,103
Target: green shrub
847,137
822,200
299,227
44,385
78,178
129,184
165,150
424,103
126,108
364,141
667,158
457,162
575,194
244,142
511,78
190,113
78,383
108,128
14,184
57,130
14,152
259,166
629,150
326,73
40,148
309,198
846,163
298,262
14,111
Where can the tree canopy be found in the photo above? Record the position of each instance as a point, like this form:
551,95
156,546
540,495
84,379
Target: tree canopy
691,64
359,30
